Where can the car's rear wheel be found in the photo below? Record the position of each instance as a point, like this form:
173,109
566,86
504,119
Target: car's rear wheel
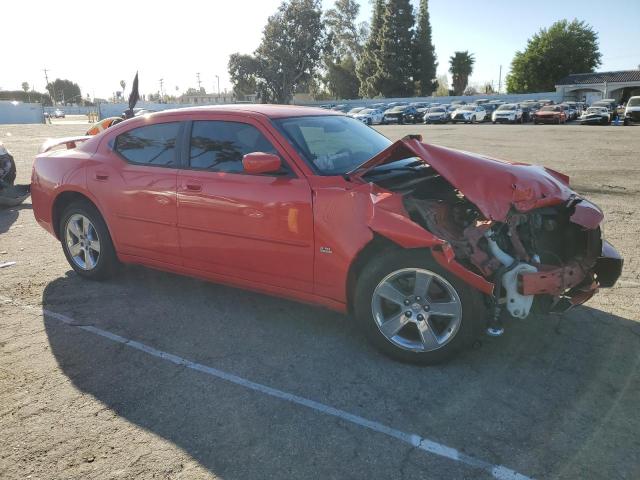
413,310
86,241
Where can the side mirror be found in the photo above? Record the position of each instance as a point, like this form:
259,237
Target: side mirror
257,163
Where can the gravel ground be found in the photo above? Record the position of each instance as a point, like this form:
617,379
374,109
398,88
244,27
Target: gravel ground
555,397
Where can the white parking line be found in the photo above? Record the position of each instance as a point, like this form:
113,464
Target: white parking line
497,471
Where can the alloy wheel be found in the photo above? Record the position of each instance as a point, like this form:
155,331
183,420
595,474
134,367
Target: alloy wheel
82,242
417,309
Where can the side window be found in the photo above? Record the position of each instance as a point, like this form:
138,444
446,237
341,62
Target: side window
219,146
150,145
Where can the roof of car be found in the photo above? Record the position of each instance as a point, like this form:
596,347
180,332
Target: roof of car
271,111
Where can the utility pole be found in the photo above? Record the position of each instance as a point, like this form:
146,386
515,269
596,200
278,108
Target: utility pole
161,90
218,78
500,80
199,82
53,87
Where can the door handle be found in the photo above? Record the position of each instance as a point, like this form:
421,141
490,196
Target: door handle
194,187
102,176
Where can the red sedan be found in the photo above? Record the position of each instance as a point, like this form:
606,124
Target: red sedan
550,114
424,245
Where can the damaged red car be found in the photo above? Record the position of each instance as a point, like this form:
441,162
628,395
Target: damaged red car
425,246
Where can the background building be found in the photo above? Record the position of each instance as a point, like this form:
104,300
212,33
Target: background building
591,87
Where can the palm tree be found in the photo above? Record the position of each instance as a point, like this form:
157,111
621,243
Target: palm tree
460,67
123,84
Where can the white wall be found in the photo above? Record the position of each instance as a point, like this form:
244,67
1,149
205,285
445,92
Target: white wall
16,112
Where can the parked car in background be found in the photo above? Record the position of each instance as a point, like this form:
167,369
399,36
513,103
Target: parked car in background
570,110
57,113
632,111
489,109
341,108
355,110
527,113
370,116
508,113
436,115
401,114
421,243
595,116
380,106
468,114
609,103
550,114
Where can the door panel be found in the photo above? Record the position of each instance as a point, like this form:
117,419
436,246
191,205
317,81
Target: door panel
255,227
135,181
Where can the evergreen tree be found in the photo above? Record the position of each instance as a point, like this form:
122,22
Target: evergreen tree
394,77
553,53
367,66
425,64
344,47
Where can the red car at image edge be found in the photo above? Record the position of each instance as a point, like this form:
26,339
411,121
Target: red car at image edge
424,245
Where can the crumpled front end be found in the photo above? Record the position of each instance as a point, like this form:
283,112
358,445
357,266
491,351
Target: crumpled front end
518,226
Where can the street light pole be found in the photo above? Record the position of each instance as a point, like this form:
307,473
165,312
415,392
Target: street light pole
218,78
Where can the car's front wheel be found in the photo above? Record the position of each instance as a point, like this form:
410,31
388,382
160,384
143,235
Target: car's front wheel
413,310
86,241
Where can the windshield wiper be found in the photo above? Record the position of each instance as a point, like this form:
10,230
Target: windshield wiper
409,167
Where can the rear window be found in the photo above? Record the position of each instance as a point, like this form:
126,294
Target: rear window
153,145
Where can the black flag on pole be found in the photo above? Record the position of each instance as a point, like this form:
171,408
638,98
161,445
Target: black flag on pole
134,96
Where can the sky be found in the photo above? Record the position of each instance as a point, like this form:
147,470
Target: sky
97,44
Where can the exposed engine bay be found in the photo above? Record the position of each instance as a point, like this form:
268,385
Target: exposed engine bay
539,260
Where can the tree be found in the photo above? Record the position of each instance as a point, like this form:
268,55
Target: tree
290,49
65,90
367,66
25,86
470,90
344,46
442,89
242,73
123,85
425,62
551,54
394,77
460,67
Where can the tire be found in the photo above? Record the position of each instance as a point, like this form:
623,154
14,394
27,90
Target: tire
369,122
455,330
87,262
10,177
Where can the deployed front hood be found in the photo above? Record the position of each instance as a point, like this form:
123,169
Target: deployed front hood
494,186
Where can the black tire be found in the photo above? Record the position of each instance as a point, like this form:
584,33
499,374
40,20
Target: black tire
393,260
107,260
10,177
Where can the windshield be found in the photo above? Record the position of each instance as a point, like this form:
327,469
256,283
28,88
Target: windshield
549,108
368,110
436,110
397,109
468,108
355,110
332,145
507,107
634,102
596,109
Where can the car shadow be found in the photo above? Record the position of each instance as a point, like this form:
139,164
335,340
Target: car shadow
9,215
555,396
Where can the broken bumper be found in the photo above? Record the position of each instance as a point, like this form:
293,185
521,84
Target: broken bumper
575,281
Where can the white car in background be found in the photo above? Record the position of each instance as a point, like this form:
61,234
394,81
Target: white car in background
468,114
355,111
632,111
370,116
507,113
